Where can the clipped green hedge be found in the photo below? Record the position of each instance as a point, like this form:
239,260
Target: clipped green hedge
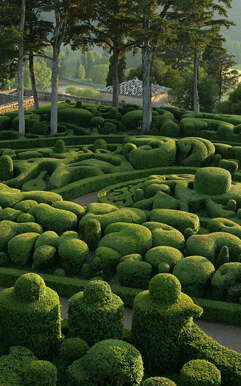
213,310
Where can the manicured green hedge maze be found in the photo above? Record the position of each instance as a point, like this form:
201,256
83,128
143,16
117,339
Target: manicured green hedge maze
169,219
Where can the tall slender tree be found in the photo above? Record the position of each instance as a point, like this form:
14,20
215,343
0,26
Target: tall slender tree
21,127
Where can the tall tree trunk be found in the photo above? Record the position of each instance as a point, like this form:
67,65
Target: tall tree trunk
147,56
59,31
54,90
33,82
220,85
116,81
196,106
21,127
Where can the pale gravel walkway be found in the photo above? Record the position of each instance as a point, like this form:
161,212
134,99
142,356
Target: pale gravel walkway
227,335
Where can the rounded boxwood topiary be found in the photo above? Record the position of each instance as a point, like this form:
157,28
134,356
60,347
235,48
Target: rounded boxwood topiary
20,247
40,373
163,255
30,316
59,146
73,253
134,274
194,273
100,144
133,119
158,381
100,311
6,167
43,257
106,260
92,233
161,317
29,287
212,180
97,122
108,360
199,372
59,272
72,349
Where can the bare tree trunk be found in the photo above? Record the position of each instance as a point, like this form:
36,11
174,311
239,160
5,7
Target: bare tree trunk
54,91
220,85
196,106
116,81
21,127
33,82
59,31
147,55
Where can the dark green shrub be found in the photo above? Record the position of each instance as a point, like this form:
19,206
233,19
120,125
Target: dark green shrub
59,272
108,259
59,146
54,219
8,135
134,274
77,116
158,381
170,128
194,273
108,362
73,254
6,167
97,122
72,349
20,247
230,165
127,148
12,366
161,316
92,233
199,372
163,155
100,312
163,254
41,128
133,119
212,180
30,316
40,373
43,258
5,122
108,128
178,219
77,209
100,144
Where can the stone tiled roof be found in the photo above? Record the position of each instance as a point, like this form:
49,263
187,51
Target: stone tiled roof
134,88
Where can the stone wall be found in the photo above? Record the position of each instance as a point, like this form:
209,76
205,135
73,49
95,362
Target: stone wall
28,104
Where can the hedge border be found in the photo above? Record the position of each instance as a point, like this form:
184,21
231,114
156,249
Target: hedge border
93,184
213,311
48,141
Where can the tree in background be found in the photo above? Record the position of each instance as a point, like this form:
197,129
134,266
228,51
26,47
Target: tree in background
80,73
21,127
121,69
89,59
219,66
98,73
35,41
233,104
42,75
8,44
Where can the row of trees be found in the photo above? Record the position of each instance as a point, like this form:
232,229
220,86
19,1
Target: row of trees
119,25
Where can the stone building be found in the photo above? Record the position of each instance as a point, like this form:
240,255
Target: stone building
132,92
